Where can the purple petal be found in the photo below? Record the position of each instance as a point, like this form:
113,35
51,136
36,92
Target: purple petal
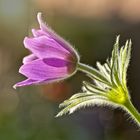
29,82
25,83
55,62
46,69
44,47
29,58
56,37
43,26
38,33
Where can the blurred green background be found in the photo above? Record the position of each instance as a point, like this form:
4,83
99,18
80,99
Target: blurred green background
28,113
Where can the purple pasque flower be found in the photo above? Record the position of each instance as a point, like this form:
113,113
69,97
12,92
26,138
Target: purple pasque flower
51,59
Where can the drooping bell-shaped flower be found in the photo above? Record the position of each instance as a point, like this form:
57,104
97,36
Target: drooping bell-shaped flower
51,59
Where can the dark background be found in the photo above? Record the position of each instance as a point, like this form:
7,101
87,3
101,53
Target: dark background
28,113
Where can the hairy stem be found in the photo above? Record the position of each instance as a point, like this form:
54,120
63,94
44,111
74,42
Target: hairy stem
135,115
90,71
87,69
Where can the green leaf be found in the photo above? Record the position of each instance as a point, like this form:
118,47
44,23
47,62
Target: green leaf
109,82
81,102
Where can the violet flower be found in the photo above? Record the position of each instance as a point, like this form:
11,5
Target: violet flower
52,59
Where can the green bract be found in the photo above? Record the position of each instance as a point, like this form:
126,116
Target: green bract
109,86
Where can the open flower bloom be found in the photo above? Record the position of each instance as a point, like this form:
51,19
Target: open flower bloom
51,59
